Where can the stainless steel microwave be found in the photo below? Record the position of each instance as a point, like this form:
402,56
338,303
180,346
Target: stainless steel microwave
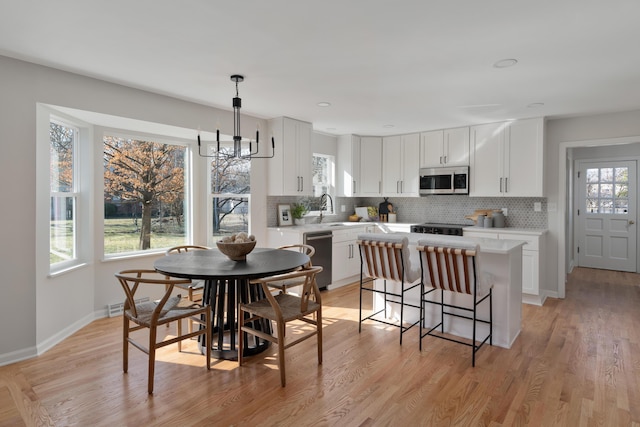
452,180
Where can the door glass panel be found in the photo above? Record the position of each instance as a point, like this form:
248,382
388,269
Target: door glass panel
607,190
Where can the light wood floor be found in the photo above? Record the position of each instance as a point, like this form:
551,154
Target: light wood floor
576,362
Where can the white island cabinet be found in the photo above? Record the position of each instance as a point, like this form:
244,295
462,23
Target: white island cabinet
501,261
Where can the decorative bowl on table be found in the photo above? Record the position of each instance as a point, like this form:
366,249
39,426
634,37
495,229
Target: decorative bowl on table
237,246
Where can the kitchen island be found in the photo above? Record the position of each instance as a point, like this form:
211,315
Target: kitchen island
501,262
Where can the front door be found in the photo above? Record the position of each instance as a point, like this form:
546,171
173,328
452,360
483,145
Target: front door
606,215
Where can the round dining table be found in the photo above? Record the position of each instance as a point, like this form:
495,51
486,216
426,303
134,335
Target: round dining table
227,283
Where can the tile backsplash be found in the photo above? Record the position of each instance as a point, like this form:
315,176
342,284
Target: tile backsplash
437,208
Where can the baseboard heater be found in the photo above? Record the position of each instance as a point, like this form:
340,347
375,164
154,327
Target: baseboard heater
117,309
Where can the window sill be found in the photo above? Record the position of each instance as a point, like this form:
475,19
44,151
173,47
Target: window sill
66,270
133,255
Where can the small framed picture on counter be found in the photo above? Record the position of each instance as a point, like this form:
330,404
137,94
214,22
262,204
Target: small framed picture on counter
284,215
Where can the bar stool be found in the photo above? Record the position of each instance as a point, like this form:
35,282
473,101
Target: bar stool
386,257
450,264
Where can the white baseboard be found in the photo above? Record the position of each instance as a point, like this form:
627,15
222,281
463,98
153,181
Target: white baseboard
49,343
17,356
65,333
532,299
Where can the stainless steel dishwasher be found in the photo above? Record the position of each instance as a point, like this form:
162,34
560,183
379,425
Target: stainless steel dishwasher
322,242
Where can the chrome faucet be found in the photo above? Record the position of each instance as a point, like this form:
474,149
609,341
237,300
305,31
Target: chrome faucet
323,204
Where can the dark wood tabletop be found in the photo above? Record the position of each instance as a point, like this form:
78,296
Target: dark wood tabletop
212,264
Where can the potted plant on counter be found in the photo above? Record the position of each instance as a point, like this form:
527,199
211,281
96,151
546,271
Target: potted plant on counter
298,211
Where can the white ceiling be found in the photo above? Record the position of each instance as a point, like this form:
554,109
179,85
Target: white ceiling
416,65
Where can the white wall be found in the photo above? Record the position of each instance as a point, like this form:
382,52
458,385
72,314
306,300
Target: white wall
37,311
562,135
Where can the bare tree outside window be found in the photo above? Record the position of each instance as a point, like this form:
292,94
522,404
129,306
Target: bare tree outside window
230,190
145,180
63,194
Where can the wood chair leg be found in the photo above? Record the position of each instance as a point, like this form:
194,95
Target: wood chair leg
125,344
281,328
152,358
319,336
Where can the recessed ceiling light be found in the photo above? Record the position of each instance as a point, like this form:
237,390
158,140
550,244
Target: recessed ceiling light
388,126
323,104
535,105
505,63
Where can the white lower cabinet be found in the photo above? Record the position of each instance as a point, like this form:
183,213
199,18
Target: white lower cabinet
345,258
532,265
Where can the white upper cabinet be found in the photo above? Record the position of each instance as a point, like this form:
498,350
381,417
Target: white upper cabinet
348,166
400,165
448,147
290,168
507,159
370,166
526,158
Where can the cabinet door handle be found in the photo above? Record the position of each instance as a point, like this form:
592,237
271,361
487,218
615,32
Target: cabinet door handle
440,159
302,183
506,185
501,184
445,159
354,187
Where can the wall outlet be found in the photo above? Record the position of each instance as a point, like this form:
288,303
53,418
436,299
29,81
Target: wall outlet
343,208
537,206
505,211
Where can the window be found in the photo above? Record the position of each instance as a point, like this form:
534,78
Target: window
230,193
323,183
144,194
63,189
608,190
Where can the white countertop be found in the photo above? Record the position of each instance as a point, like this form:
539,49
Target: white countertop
337,226
492,246
507,230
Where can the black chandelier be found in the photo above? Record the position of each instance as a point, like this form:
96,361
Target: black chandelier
237,139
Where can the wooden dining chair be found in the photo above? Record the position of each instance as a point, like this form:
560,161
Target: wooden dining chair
282,309
282,282
152,314
450,265
194,289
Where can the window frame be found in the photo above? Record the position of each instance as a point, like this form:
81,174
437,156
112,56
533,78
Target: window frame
211,147
188,183
331,185
75,194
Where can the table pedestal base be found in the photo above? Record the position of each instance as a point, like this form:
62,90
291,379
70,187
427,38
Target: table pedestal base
223,297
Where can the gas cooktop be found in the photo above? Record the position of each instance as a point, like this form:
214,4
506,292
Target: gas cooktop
437,228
